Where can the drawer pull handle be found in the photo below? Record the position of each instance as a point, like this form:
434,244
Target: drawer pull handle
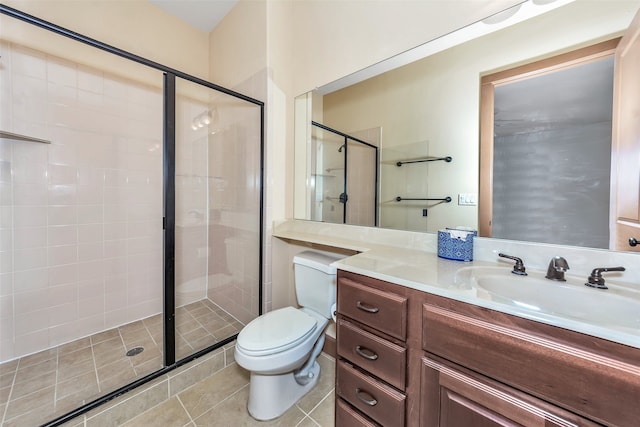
366,353
367,308
366,397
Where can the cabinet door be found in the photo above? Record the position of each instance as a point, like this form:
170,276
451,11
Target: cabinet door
452,398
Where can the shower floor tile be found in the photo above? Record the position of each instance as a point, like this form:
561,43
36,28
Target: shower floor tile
45,385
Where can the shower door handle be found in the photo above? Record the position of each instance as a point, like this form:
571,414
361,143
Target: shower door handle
343,197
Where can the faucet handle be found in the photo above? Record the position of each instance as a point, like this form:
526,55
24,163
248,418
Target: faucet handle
595,280
519,267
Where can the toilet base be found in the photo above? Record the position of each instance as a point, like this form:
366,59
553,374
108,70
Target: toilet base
271,395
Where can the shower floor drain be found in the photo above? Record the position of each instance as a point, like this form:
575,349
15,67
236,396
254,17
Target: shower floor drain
135,351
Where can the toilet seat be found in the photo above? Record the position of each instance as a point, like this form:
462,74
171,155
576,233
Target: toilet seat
276,331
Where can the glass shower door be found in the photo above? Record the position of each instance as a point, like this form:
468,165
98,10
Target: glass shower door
217,216
328,190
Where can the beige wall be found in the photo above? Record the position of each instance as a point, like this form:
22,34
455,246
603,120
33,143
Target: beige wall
134,26
336,38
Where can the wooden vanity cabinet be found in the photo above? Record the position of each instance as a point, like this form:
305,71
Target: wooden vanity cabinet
432,361
576,376
453,396
373,341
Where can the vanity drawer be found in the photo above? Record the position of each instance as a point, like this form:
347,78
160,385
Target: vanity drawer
346,416
377,400
382,358
384,311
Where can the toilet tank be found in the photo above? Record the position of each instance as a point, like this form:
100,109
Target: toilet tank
315,280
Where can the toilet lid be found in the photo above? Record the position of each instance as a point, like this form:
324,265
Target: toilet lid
276,331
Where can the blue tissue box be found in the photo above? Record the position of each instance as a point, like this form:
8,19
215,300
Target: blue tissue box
456,244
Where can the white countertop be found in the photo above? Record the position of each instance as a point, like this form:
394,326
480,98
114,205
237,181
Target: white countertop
425,271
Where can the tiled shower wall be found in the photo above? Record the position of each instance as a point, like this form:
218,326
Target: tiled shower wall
81,218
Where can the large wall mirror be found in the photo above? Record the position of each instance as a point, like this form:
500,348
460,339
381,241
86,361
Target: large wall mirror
424,118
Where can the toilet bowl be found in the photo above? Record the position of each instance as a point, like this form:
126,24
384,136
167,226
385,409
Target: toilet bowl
280,348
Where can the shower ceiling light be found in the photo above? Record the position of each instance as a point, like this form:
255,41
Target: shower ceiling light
205,118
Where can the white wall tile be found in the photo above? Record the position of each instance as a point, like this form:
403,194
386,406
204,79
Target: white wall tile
90,251
28,280
63,294
61,72
63,314
6,216
64,333
90,270
61,255
6,284
6,314
62,174
6,240
62,215
30,194
90,79
29,237
6,194
30,259
63,155
90,214
62,235
29,216
62,194
61,274
30,342
90,233
30,304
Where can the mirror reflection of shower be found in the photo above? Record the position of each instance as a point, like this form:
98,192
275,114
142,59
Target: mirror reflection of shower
344,179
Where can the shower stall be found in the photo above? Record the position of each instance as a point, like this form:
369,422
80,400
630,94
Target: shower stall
343,181
130,219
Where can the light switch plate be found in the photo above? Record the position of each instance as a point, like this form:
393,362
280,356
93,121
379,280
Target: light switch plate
468,199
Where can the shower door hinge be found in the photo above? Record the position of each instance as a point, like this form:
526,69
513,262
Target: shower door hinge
164,222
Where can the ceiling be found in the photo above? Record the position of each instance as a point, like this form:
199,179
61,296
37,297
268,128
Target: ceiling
202,14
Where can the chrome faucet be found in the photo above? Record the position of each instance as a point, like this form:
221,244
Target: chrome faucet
557,267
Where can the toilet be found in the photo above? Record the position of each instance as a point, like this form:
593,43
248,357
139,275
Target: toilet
280,348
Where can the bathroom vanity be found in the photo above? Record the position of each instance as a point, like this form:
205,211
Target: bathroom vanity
408,357
424,341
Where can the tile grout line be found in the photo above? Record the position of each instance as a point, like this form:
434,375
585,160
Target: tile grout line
95,366
185,409
307,417
13,383
55,389
222,401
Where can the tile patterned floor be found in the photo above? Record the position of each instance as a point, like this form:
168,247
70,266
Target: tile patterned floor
221,399
42,386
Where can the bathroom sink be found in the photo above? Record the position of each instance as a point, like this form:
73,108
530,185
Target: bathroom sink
570,299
